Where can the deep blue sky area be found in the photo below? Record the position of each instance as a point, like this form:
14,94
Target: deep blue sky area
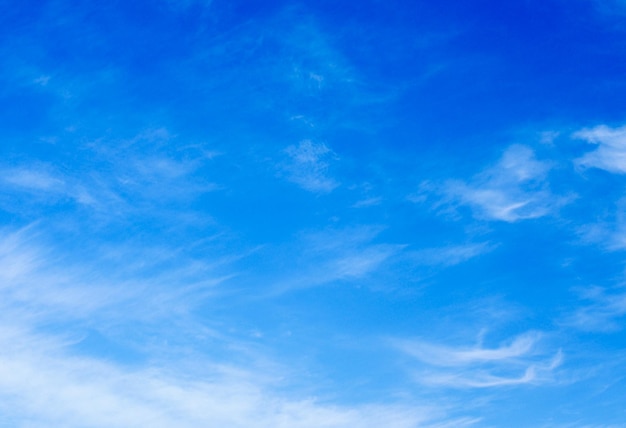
298,214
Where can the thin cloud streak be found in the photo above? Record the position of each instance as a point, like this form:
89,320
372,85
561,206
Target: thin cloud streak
451,255
610,233
43,285
45,379
515,189
328,256
159,284
34,179
601,313
308,166
39,379
119,181
518,362
445,356
610,155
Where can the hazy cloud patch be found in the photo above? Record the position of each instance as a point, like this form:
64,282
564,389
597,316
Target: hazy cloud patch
309,165
610,154
517,361
514,189
602,311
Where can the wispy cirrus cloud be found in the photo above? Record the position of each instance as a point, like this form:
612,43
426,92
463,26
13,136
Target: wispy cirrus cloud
37,183
602,311
514,189
122,176
452,254
610,155
45,379
609,228
309,165
41,379
516,362
350,253
35,178
368,202
609,233
327,256
43,282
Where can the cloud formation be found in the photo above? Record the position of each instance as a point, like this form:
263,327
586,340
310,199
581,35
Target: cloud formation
519,361
309,166
610,155
609,233
451,255
145,281
39,378
324,257
514,189
601,312
46,379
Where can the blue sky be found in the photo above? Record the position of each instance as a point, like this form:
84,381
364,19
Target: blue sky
313,214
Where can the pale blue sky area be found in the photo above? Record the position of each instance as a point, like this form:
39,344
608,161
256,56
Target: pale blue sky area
313,214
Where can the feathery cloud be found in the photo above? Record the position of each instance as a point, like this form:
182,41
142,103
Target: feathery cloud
610,155
451,255
519,361
45,379
514,189
335,255
609,233
601,313
308,166
39,378
33,179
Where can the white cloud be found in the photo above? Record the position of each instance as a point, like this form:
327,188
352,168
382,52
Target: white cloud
42,385
609,233
548,137
335,255
138,175
446,356
41,80
369,202
519,361
512,190
602,313
610,155
313,64
45,286
38,183
32,178
42,184
452,254
308,166
45,381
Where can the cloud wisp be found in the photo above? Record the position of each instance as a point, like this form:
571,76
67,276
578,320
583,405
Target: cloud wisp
38,377
515,189
118,180
451,255
601,313
517,362
45,285
32,179
308,166
206,219
610,155
46,379
609,233
325,257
